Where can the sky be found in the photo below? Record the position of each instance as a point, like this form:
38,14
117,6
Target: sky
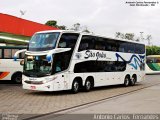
102,17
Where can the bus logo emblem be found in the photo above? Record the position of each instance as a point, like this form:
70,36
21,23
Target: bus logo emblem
78,55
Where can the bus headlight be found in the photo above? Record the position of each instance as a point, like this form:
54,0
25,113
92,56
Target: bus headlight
49,79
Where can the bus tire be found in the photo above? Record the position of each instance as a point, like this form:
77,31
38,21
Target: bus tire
126,81
88,85
17,78
75,86
133,80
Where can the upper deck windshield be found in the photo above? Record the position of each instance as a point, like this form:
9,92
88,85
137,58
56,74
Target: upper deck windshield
43,41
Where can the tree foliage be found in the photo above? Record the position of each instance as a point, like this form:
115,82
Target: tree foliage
76,26
152,50
128,36
53,23
132,36
79,27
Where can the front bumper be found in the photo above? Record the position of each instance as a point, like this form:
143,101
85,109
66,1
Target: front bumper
52,83
39,87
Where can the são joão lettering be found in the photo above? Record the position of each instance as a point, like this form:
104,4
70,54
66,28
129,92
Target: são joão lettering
98,55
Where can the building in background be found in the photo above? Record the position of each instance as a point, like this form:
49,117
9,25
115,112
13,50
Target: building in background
18,31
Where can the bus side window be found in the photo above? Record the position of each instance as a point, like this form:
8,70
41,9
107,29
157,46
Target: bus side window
0,53
68,40
13,52
122,46
149,60
111,45
99,66
87,42
83,46
87,66
158,60
62,44
130,48
22,55
60,64
140,49
7,53
99,44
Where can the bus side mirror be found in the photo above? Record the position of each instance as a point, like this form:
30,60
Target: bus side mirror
18,52
22,62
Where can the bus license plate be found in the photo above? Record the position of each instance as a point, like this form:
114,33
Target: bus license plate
33,87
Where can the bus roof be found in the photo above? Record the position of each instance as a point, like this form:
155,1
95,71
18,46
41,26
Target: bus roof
153,56
84,33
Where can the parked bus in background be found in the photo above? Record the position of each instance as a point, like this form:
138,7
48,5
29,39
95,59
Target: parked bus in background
67,60
9,69
153,64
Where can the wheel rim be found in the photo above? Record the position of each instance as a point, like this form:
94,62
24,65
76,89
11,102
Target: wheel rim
133,81
76,86
18,79
126,82
88,85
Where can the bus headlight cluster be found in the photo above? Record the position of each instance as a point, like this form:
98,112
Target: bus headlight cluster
49,79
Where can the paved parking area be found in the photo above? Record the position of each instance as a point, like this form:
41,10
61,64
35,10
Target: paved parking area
145,101
15,100
141,104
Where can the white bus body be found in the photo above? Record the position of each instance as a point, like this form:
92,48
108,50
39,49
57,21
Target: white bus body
10,69
79,60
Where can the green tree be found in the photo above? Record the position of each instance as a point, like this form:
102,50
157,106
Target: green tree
119,35
78,27
128,36
152,50
52,23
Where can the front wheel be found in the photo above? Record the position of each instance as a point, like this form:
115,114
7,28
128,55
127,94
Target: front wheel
75,86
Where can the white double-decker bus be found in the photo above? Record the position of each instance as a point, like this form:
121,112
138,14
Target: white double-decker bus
67,60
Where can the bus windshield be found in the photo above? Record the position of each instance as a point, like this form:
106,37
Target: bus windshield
37,66
43,41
